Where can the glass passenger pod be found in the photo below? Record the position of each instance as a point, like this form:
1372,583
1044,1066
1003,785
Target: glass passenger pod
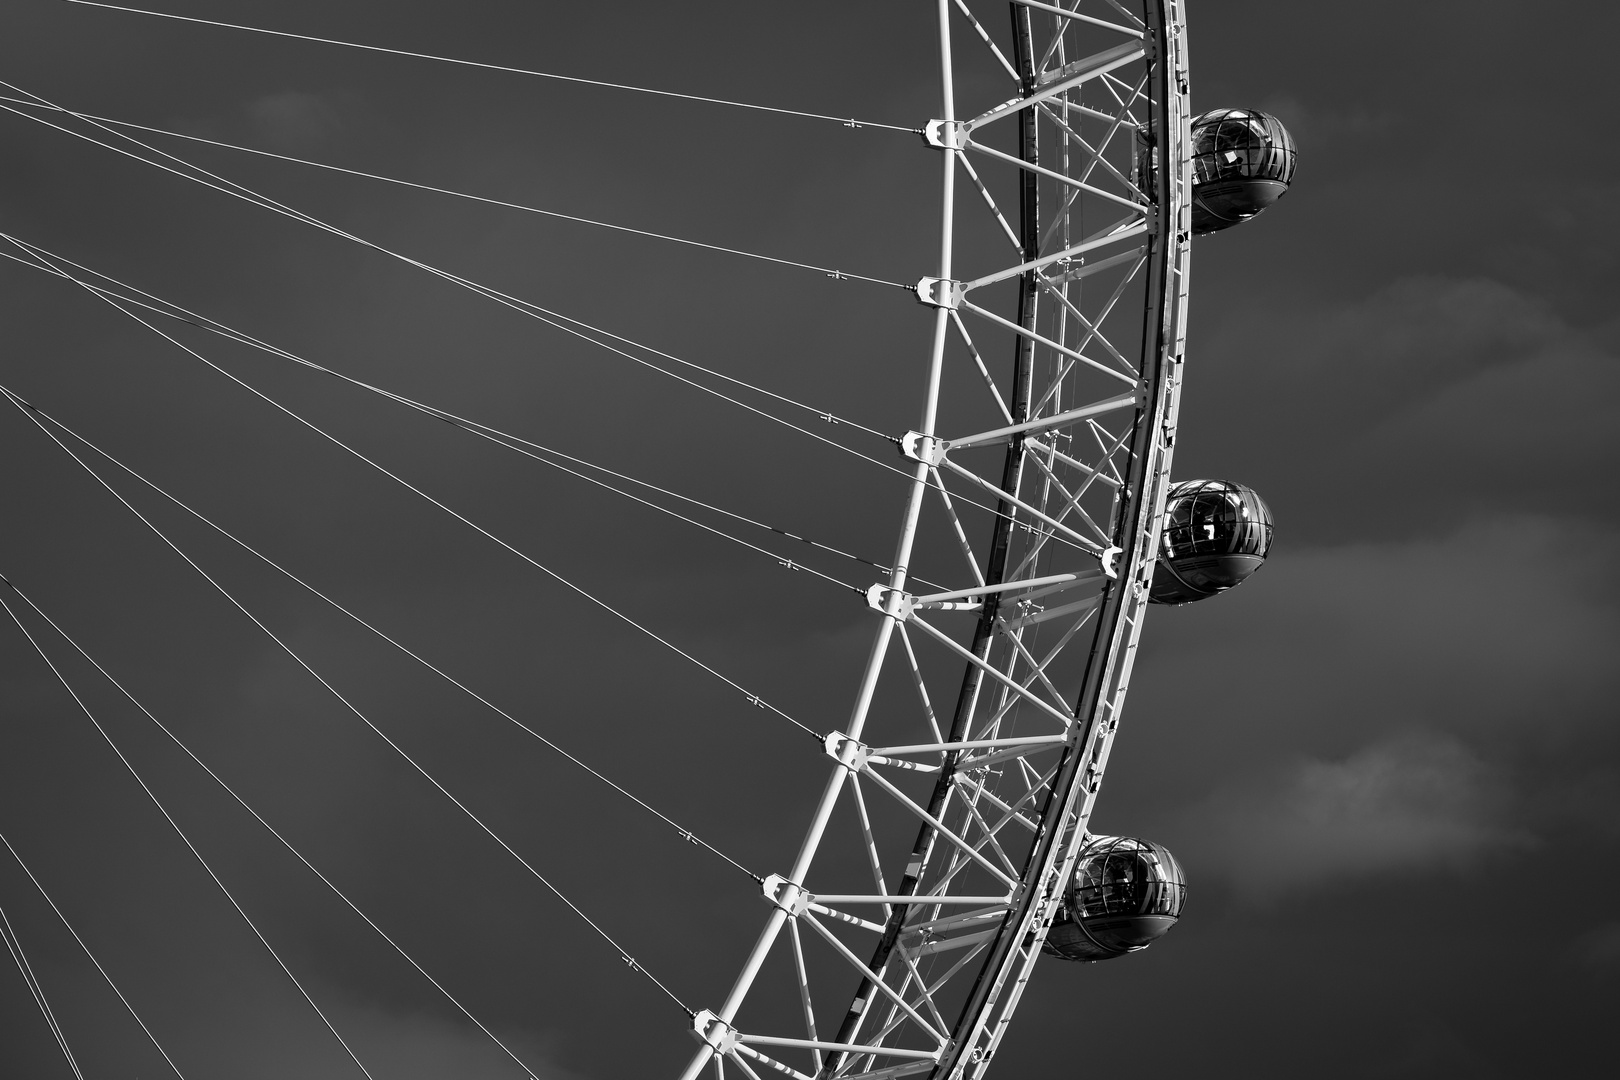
1243,161
1126,894
1216,534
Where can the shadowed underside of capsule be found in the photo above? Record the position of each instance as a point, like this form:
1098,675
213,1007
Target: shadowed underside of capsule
1216,534
1243,161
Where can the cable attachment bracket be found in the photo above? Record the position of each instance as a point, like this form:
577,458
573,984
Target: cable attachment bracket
945,134
1110,561
893,603
940,292
928,449
852,754
790,897
709,1028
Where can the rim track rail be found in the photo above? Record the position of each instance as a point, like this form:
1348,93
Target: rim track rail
1002,937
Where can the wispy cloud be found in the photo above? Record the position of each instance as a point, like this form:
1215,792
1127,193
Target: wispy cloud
294,119
414,1046
1413,802
1314,126
1600,948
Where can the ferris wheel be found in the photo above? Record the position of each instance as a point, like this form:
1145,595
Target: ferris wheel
948,846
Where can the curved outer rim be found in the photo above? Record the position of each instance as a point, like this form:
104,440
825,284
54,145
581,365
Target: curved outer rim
1010,957
1002,531
994,997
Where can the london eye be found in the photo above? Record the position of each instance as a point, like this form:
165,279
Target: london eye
974,513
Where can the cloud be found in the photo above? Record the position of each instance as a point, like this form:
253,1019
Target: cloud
1411,803
1512,434
1361,360
1314,127
408,1046
1427,401
1430,1049
1497,631
294,120
415,1046
1381,708
1600,948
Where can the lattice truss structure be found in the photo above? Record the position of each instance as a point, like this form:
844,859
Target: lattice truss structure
962,784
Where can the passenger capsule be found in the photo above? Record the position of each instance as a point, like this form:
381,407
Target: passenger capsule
1243,161
1126,894
1216,533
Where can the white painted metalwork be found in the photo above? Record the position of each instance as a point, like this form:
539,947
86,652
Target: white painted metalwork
908,956
999,791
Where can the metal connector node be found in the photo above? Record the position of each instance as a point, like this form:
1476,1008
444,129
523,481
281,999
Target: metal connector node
928,449
709,1028
1110,561
790,897
890,602
852,754
939,292
944,134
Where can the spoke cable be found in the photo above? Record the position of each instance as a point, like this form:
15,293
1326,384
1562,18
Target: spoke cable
183,837
845,121
524,307
36,414
86,948
753,698
14,946
517,444
838,275
271,829
361,716
557,320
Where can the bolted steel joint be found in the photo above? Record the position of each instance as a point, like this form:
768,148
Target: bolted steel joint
709,1028
945,134
928,449
1110,561
791,898
891,602
939,292
850,753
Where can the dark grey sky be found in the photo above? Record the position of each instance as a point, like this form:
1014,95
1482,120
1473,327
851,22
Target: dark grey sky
1389,762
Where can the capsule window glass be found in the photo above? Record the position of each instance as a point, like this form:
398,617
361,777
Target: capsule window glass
1241,144
1215,517
1129,877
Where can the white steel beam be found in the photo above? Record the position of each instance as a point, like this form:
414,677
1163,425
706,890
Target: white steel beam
978,361
877,978
897,577
1071,14
995,673
1047,423
972,744
855,898
939,826
1072,75
989,42
1122,230
818,1044
1082,541
1052,174
938,484
1041,339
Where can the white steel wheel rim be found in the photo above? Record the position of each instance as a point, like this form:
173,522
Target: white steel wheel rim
1105,583
992,786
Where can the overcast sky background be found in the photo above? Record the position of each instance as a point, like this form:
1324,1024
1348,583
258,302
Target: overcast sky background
1389,762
